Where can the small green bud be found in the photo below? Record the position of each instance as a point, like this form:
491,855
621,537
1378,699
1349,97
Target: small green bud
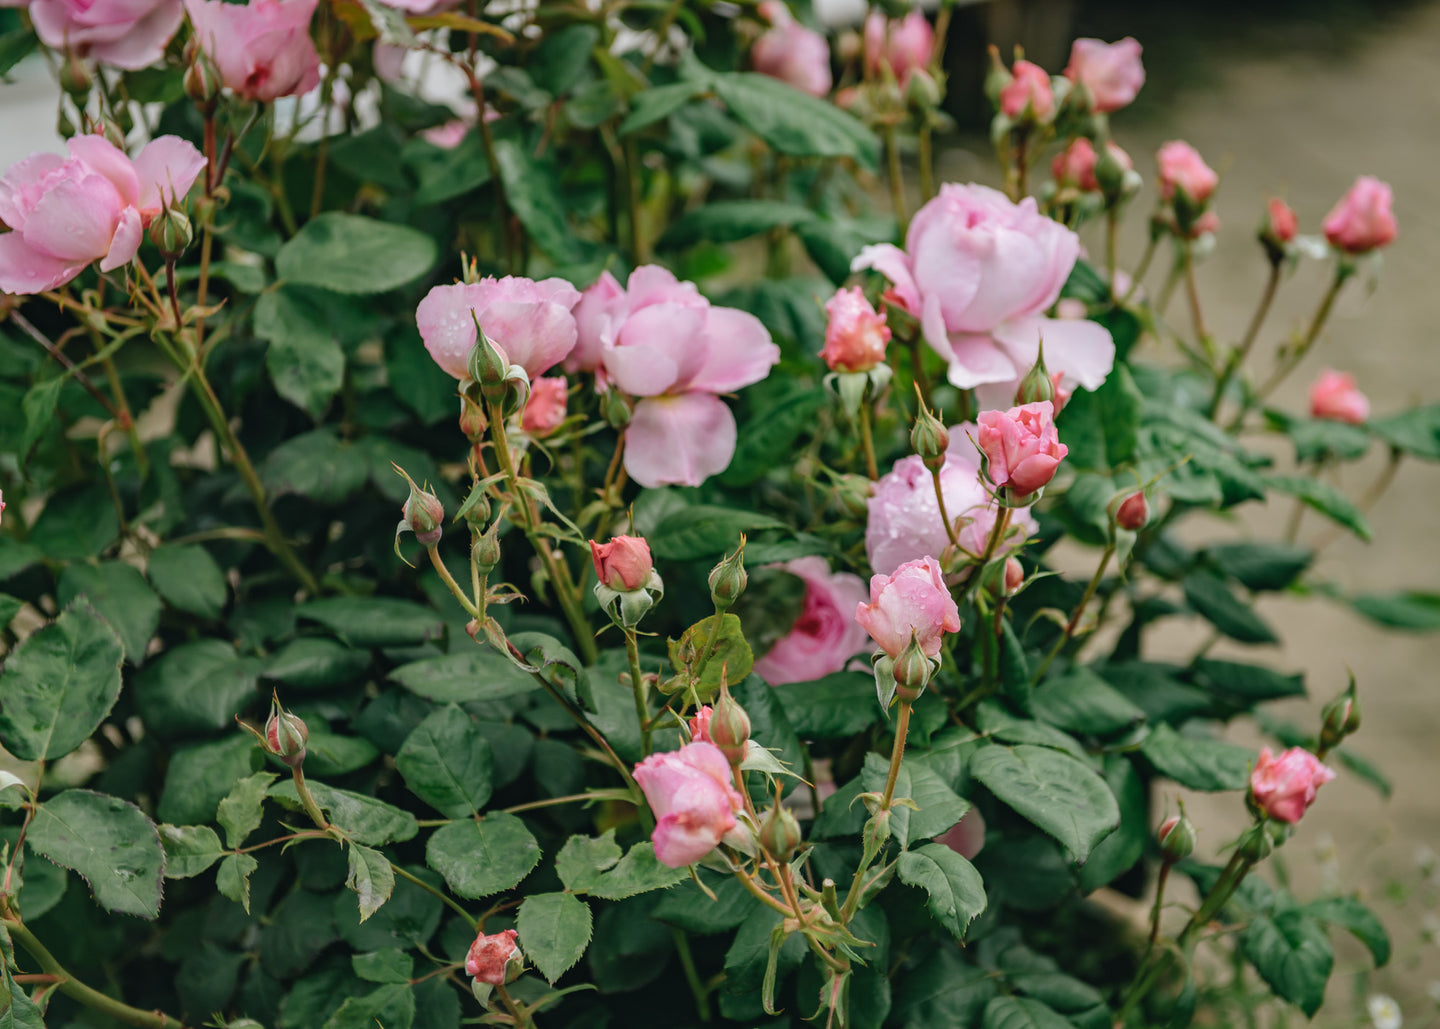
912,671
171,233
1176,836
1341,717
488,364
202,78
1037,386
286,735
929,438
616,408
780,834
729,726
728,579
485,551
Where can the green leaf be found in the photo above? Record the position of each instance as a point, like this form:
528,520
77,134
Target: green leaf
595,866
658,102
701,531
120,595
554,931
533,191
240,813
315,465
328,754
1213,601
76,524
1199,764
1324,498
728,221
1292,953
956,893
20,1011
196,687
835,707
374,621
557,663
731,656
391,1006
9,608
944,989
371,877
477,859
470,676
38,408
1349,914
304,359
1318,439
188,577
364,819
1101,427
560,61
446,762
384,966
349,253
689,908
937,807
792,122
1416,431
1262,566
59,684
1084,703
314,662
189,849
1248,684
1117,853
768,434
15,46
1021,1013
1054,791
109,843
1411,610
584,859
199,777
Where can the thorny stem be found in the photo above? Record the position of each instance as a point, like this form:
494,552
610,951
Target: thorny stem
759,893
1002,524
520,1016
867,442
1240,353
1159,902
637,684
1192,291
897,754
126,419
944,514
1074,622
450,582
84,380
692,975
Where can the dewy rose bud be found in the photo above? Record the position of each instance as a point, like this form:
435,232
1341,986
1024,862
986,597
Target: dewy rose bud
494,959
1182,168
913,601
1283,787
691,794
1028,94
728,579
423,514
1362,221
855,334
624,564
728,726
1110,72
1335,396
1023,447
1133,512
262,49
545,409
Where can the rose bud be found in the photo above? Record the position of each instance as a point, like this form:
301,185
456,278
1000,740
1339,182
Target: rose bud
904,45
545,409
1110,72
1038,386
1283,787
424,515
780,834
495,959
1335,397
1362,221
170,233
929,438
624,564
700,724
1183,171
728,579
1133,512
855,334
914,601
1014,576
1176,836
691,793
286,736
1075,166
1022,446
792,53
1028,96
729,726
1341,717
912,670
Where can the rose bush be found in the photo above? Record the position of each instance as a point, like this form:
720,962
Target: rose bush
607,729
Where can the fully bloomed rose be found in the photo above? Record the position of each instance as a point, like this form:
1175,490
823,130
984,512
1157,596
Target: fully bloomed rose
979,272
914,600
262,49
825,636
905,45
1022,445
1110,72
690,792
903,520
1335,396
624,564
531,321
855,334
660,340
492,958
545,409
65,213
1285,786
792,53
129,34
1362,221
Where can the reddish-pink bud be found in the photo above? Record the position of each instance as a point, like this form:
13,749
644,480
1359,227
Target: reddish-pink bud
1335,396
856,334
1182,168
1014,576
1284,787
545,409
1362,220
1028,94
913,601
624,564
494,959
1133,512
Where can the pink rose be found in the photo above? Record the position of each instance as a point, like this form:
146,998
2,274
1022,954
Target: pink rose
825,636
1023,446
903,517
967,838
1281,225
791,52
1133,512
1110,72
1014,576
64,213
1334,396
1182,168
700,724
545,409
1362,221
1028,93
531,321
129,34
660,340
855,335
623,564
1075,166
1283,787
262,49
979,272
912,601
492,958
691,794
906,45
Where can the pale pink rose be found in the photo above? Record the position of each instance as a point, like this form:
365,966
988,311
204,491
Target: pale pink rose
700,724
545,409
1028,93
825,636
691,794
1283,787
979,272
262,49
792,53
905,45
1281,225
967,838
491,957
129,34
531,321
65,213
660,340
914,600
1023,446
595,321
855,335
1014,576
1110,72
903,519
1075,165
1336,397
1362,221
623,564
1182,167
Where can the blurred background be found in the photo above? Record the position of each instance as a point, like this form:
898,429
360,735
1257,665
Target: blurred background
1293,99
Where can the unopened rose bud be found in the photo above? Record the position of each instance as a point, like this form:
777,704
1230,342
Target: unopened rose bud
1014,576
1177,838
624,564
75,78
1114,172
929,438
728,579
485,551
113,132
495,959
202,78
1133,512
700,724
1341,717
1036,386
998,77
286,735
855,334
1028,96
473,422
922,93
424,514
853,494
780,834
616,408
170,233
488,364
912,670
729,727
